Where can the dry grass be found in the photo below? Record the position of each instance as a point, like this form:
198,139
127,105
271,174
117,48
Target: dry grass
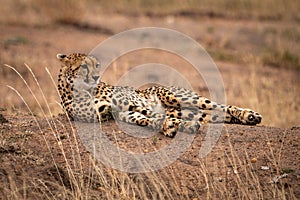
72,11
266,10
48,12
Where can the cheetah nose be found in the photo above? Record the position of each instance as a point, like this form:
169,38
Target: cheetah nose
95,78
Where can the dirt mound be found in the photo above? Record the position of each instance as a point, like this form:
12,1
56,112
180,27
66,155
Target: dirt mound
45,158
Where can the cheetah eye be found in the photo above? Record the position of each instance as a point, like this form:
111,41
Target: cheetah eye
251,117
84,66
97,65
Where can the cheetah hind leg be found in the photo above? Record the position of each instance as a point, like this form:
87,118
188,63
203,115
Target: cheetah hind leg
234,114
243,115
189,99
218,114
231,115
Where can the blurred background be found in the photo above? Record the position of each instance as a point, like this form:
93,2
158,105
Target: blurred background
254,43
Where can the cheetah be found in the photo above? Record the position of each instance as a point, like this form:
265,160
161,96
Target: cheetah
86,98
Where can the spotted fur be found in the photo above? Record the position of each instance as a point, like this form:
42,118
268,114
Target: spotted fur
168,109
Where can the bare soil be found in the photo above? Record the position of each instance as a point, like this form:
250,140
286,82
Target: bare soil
33,164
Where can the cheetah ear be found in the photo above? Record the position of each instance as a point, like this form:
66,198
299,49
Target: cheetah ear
61,56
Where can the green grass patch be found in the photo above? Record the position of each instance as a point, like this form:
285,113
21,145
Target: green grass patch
223,56
15,40
291,34
286,171
284,58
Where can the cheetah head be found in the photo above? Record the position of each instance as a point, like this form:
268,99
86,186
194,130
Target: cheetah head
79,70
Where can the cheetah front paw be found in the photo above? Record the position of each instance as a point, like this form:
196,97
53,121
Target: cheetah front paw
170,127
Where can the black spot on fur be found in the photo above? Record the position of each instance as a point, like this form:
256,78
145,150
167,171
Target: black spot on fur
144,112
101,108
131,108
207,101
